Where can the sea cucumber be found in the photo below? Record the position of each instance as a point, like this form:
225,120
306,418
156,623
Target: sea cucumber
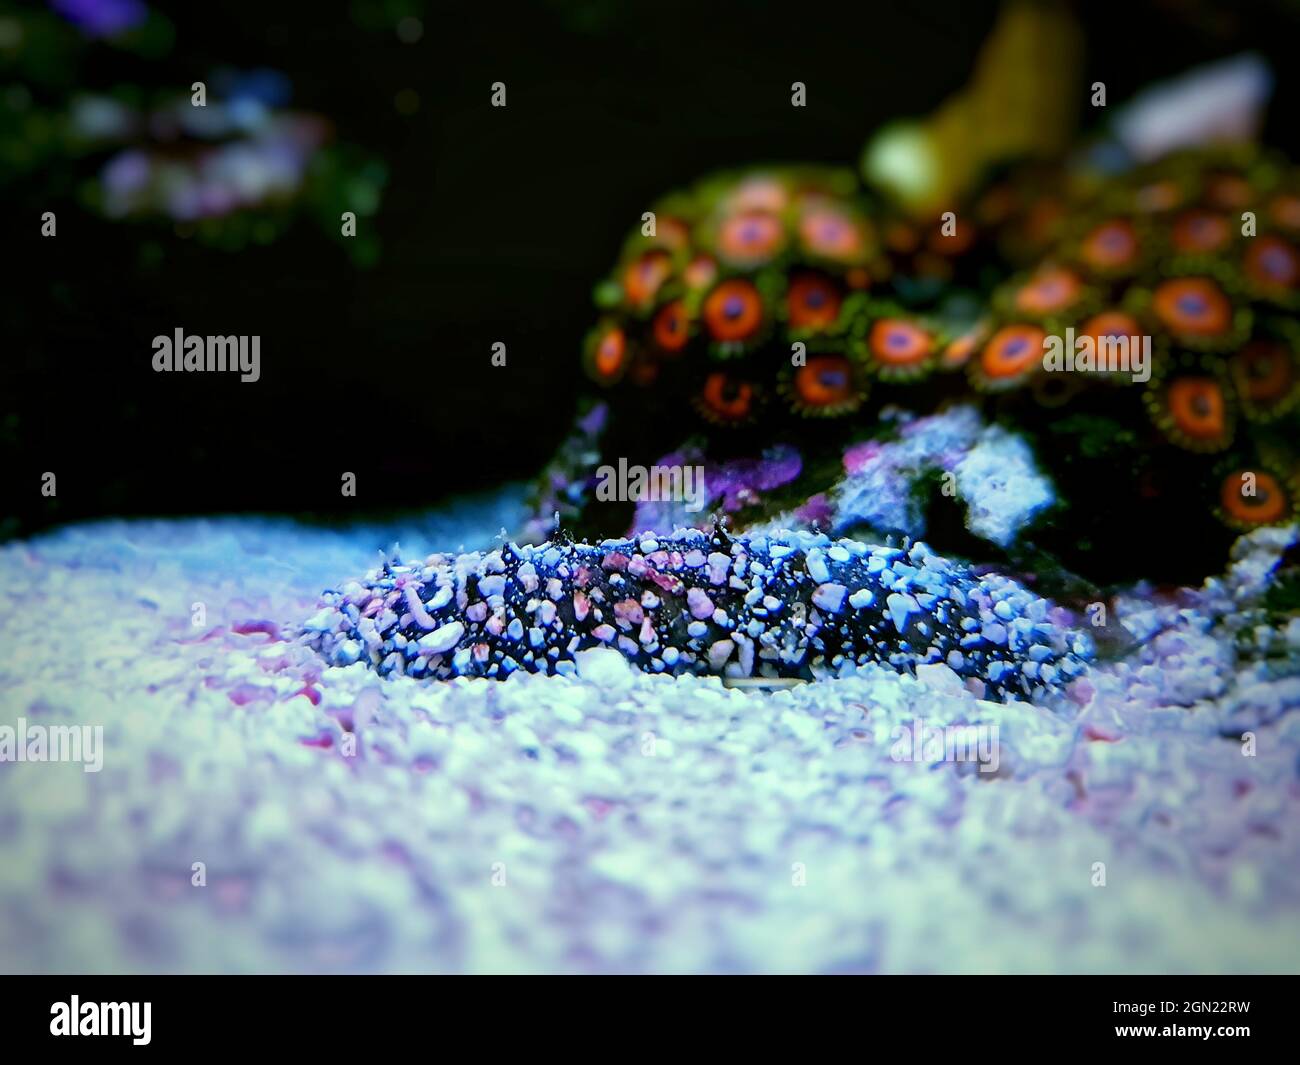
793,605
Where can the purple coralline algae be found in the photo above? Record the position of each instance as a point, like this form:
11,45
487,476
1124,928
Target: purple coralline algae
566,482
993,473
729,486
879,490
102,18
797,605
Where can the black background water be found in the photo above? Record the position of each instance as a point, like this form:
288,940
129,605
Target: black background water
495,225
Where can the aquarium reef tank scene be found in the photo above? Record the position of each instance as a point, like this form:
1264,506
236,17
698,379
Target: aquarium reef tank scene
628,488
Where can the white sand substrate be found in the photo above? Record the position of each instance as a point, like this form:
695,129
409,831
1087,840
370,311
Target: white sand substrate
613,822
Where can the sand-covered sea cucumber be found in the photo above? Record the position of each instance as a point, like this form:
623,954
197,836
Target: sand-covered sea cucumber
797,605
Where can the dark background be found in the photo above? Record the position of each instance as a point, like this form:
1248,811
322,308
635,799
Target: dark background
495,225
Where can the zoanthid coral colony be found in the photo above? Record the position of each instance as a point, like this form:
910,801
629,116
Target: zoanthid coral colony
768,297
691,603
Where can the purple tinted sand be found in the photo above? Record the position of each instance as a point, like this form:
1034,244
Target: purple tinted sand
613,820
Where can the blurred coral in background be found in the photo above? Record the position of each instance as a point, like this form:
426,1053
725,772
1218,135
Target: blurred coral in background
234,162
